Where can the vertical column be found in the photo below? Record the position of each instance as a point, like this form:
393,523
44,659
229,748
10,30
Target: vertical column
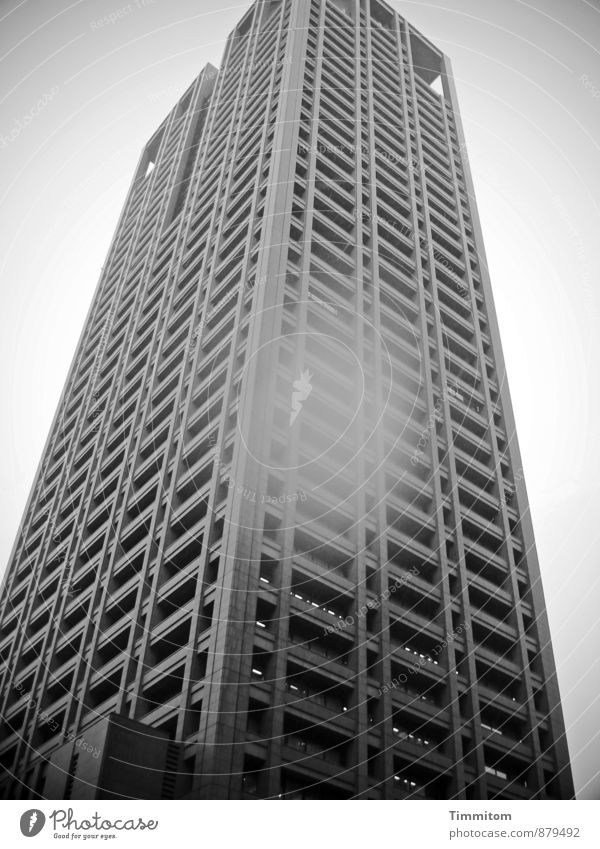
454,741
540,616
453,500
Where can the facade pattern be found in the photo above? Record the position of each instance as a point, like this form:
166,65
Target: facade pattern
280,517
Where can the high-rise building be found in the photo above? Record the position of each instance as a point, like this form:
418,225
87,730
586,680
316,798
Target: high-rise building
279,544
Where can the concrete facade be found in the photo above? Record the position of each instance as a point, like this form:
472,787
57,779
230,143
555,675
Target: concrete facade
280,518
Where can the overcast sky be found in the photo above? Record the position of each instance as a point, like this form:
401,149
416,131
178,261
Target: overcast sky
80,97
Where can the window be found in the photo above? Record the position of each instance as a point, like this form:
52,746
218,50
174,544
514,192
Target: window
498,773
437,85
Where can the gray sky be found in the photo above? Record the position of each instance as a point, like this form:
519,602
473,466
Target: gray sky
80,97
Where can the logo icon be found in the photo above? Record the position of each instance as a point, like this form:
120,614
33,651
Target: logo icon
302,389
32,822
